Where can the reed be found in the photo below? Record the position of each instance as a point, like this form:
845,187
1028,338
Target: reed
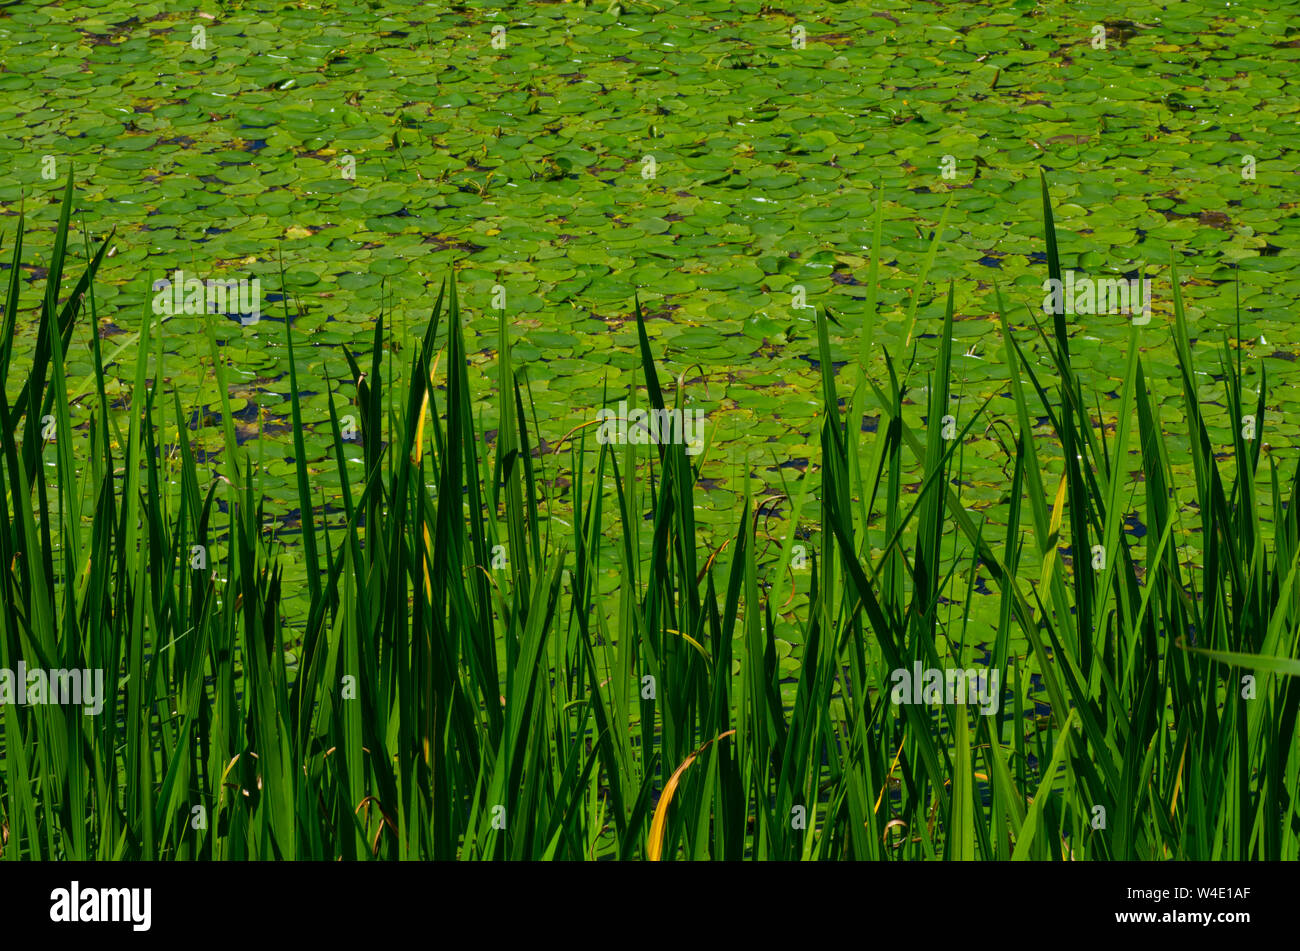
427,706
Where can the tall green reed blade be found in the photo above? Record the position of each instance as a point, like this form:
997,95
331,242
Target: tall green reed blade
1054,267
11,305
510,463
926,565
306,508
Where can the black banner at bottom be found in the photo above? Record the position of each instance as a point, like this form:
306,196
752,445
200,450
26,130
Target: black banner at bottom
337,900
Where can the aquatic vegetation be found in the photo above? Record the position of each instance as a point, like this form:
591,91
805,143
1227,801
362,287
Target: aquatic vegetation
505,652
